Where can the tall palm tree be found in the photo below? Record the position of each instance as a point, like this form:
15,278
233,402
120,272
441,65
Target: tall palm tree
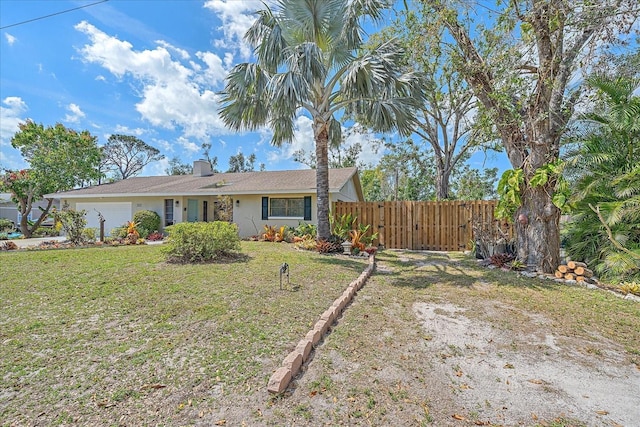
605,226
310,58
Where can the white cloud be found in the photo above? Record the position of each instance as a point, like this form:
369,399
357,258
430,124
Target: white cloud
165,145
125,130
183,53
10,39
371,150
11,110
173,95
236,19
188,145
216,71
75,114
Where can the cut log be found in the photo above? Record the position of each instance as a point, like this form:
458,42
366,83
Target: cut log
563,269
559,274
583,271
574,264
569,276
580,278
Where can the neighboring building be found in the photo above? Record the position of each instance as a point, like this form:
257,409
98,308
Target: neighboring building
9,210
257,198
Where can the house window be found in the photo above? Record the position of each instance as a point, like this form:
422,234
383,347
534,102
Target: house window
280,207
168,212
286,208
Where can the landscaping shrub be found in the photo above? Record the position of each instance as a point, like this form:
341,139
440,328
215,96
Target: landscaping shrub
6,225
8,246
155,236
502,260
201,241
307,243
328,246
73,223
118,232
45,232
147,222
304,229
89,234
341,225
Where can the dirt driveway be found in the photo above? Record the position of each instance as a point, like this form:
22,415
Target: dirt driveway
434,340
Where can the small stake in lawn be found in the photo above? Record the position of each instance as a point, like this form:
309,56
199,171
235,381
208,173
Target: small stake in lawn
284,270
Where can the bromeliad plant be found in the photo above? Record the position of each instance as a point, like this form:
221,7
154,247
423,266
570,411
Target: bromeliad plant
274,234
132,232
282,235
269,233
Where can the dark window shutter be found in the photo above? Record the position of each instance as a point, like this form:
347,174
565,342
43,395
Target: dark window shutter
265,208
307,208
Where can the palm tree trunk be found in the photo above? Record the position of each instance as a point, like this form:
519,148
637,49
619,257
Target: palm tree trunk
320,130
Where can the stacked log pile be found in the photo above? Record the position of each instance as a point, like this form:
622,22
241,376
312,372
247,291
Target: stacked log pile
574,270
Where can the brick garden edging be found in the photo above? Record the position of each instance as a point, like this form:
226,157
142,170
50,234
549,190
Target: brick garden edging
292,364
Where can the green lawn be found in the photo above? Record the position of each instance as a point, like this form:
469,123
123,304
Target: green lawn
91,328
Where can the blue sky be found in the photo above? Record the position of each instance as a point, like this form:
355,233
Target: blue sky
144,68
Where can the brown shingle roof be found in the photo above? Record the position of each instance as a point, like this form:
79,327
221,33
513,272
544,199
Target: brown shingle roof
291,181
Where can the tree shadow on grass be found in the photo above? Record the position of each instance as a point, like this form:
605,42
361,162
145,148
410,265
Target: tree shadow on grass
345,261
222,259
422,269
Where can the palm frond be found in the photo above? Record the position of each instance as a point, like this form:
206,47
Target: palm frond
261,27
245,98
353,32
618,90
289,90
335,133
283,130
618,263
307,60
317,21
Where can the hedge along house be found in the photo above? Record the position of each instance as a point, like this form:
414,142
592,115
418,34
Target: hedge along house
249,199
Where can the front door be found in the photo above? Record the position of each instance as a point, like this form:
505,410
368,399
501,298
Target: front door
192,210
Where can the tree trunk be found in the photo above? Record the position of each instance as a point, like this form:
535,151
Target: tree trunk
25,208
442,181
321,134
539,236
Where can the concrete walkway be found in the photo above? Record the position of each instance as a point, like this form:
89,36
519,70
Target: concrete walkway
24,243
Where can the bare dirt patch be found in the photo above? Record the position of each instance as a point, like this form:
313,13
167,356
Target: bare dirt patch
510,378
434,340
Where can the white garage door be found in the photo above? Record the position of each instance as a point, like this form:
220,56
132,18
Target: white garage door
115,214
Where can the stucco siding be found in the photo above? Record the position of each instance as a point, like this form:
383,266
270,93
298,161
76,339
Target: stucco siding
248,214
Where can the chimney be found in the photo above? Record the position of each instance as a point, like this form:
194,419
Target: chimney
202,168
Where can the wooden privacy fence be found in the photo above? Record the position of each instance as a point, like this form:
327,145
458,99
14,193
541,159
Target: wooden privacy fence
438,226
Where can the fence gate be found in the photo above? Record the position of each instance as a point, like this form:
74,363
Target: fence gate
438,226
